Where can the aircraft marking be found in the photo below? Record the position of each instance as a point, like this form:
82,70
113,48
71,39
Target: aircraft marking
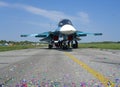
99,76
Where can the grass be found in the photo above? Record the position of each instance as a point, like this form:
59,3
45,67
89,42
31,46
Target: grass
15,47
115,46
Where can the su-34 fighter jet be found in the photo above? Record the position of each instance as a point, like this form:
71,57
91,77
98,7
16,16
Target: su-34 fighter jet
66,36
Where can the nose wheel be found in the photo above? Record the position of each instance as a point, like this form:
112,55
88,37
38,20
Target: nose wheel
64,45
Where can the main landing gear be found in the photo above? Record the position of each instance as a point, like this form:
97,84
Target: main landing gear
74,44
50,46
64,44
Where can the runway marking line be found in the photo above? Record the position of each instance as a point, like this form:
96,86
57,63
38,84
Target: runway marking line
99,76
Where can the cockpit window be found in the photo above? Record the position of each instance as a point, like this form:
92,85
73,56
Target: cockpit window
63,22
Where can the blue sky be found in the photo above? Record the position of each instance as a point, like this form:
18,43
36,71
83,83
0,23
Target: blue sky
36,16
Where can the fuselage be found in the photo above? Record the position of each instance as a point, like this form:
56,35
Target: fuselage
66,27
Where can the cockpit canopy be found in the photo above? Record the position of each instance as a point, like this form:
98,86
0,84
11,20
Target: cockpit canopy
64,22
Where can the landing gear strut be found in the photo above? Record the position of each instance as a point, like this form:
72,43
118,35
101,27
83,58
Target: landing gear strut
64,44
75,45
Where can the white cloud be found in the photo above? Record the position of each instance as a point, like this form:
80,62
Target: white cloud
56,15
82,17
3,4
37,24
50,14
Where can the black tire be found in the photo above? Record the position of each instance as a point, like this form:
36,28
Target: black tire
50,46
64,47
75,46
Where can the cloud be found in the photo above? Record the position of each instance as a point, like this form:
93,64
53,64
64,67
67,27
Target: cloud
37,24
3,4
84,17
50,14
56,15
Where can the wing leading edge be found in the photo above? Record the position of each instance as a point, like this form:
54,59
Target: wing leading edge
45,34
82,34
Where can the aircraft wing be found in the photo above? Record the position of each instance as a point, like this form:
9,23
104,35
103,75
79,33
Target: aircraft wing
45,34
82,34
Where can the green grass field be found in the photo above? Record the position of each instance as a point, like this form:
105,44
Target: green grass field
100,45
16,47
115,46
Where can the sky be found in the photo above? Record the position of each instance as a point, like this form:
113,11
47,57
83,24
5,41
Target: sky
36,16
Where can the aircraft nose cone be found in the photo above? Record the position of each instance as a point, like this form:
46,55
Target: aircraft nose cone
67,29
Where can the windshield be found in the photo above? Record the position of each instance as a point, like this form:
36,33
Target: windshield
63,22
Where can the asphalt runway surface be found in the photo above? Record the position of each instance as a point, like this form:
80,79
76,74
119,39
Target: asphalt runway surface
42,67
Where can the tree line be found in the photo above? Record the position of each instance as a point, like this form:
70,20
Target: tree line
16,42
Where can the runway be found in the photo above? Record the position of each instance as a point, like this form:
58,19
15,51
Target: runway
42,67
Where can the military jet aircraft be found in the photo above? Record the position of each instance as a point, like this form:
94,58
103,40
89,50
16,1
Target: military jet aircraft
65,36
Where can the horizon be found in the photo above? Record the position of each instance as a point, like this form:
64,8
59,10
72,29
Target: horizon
45,41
